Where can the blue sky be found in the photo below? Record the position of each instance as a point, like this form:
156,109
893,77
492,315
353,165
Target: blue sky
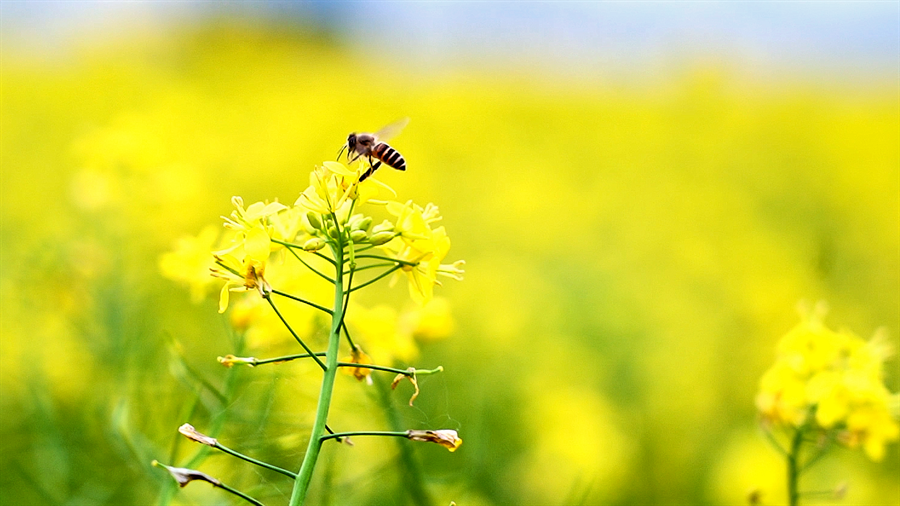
584,37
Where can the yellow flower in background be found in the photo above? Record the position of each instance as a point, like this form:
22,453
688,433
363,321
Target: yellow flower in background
378,329
827,380
358,356
190,262
430,322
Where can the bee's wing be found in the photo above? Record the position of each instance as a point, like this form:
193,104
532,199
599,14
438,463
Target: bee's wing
392,130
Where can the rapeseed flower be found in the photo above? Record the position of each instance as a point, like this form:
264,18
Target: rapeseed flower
833,382
248,273
421,248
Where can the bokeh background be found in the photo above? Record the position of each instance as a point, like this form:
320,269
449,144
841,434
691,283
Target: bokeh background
643,194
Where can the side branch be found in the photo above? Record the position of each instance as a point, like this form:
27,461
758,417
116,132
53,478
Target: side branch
286,324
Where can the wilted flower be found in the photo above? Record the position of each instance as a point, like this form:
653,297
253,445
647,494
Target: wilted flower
412,379
446,438
187,430
184,476
231,360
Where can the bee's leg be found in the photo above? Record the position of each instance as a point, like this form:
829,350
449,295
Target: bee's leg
370,171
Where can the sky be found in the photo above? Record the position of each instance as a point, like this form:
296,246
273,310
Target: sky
577,37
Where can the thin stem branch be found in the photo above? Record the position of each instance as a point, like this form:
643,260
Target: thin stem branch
240,494
349,340
323,257
302,261
298,299
286,358
376,368
389,259
286,324
291,245
251,460
369,282
365,433
405,372
374,266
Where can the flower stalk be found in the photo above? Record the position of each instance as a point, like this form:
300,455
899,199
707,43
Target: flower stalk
304,476
323,232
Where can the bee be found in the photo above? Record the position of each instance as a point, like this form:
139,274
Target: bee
374,148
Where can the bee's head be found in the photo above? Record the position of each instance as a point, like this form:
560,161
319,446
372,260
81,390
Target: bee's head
349,146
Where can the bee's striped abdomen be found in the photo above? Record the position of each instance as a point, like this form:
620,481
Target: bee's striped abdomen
390,156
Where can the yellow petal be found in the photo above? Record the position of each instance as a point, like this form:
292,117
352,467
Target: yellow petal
339,168
256,244
223,298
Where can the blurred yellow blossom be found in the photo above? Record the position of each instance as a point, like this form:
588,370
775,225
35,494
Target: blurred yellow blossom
830,380
379,330
190,262
430,322
357,356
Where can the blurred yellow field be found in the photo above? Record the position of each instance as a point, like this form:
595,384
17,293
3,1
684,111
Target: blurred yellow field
634,251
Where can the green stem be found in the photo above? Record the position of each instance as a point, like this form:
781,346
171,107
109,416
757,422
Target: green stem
793,462
304,477
251,460
365,433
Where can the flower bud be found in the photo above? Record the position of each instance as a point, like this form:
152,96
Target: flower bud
354,220
364,224
358,235
380,238
384,226
313,220
333,232
314,244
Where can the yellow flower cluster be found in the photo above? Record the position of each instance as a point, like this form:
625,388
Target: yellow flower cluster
831,381
325,215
